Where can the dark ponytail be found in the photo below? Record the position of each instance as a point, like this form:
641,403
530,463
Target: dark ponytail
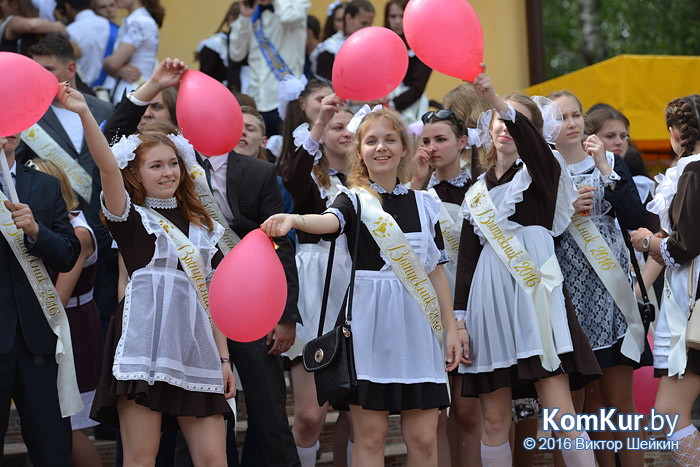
156,10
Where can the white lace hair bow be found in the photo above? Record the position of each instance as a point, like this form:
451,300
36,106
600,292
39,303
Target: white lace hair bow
482,130
184,148
331,7
290,88
473,137
551,116
124,149
357,118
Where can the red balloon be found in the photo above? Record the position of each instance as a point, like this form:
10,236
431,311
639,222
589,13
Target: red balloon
445,35
249,289
645,387
26,92
208,114
370,64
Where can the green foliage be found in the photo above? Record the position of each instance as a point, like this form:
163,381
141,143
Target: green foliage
660,27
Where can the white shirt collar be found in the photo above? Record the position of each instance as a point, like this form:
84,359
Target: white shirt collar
217,161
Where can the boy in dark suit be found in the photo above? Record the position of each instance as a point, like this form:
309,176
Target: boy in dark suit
28,368
61,129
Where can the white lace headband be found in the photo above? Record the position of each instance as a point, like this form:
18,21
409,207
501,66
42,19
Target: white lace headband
482,127
290,88
184,148
474,137
125,149
357,118
331,7
551,116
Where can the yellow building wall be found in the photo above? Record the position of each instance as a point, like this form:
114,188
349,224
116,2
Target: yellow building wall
503,22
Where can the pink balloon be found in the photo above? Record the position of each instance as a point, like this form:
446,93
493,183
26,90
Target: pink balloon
249,289
208,114
370,64
645,387
445,35
26,92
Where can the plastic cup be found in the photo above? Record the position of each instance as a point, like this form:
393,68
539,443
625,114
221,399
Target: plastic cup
583,180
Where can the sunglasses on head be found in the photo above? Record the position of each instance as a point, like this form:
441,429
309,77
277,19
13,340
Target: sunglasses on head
443,114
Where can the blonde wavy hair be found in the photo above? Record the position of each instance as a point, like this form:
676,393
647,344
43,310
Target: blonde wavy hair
359,175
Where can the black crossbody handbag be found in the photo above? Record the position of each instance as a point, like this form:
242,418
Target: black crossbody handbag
330,356
646,309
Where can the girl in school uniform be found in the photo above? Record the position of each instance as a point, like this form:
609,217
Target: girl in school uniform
312,175
602,295
442,143
509,285
165,363
677,246
400,365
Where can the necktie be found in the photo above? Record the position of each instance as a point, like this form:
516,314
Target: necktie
206,164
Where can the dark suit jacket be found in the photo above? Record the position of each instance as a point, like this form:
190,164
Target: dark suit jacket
254,195
252,191
101,111
56,245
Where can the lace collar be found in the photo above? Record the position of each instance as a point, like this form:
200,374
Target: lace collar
459,181
582,166
159,203
399,189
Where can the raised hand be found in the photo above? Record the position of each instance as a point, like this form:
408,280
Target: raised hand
169,73
71,98
330,105
485,89
595,148
421,168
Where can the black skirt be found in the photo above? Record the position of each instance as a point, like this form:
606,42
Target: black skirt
580,365
612,356
171,401
692,365
396,397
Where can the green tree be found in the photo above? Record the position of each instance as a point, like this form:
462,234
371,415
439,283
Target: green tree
579,33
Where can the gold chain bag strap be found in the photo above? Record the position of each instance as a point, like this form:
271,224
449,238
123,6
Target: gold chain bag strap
692,329
330,356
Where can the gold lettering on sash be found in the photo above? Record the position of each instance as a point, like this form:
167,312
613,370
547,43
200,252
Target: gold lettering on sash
52,309
80,180
601,254
190,259
401,256
452,241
